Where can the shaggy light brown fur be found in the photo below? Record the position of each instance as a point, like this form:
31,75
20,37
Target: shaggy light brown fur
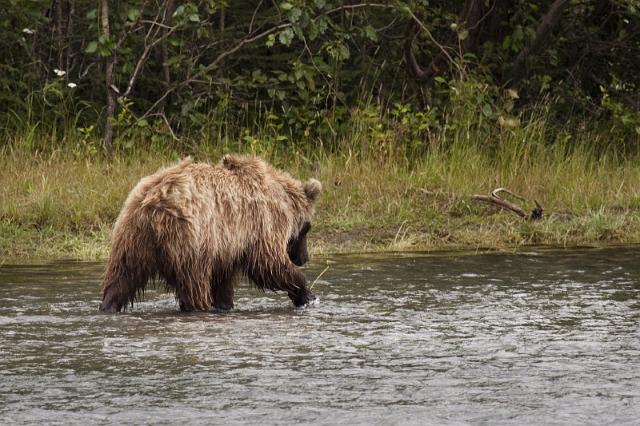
196,225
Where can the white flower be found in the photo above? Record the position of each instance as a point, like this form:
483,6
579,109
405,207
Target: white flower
59,73
27,31
72,85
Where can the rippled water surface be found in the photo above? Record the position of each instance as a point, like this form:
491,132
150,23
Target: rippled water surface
495,339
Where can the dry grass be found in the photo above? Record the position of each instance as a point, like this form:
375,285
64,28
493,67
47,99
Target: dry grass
62,203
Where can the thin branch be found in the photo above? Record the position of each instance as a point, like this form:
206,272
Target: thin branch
159,24
318,277
253,17
433,40
485,16
414,68
241,43
173,135
133,28
156,103
145,54
439,61
251,38
360,6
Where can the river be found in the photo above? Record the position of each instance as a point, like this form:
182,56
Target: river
547,337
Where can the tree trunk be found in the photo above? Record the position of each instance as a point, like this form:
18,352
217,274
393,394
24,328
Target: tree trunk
168,21
109,66
545,27
494,30
221,19
72,11
470,21
59,34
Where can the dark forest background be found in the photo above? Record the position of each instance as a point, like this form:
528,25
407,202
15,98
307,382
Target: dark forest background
142,72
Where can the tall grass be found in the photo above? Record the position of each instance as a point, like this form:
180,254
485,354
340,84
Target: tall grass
387,186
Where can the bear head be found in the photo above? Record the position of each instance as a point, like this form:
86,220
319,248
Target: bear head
297,245
302,197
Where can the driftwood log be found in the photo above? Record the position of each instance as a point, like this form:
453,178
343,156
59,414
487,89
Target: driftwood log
495,199
501,202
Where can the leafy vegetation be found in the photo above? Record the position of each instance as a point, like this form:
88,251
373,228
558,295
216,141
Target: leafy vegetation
144,69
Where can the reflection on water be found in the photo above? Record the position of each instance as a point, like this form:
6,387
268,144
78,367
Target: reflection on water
512,339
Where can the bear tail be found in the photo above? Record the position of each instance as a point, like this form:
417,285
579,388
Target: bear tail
130,265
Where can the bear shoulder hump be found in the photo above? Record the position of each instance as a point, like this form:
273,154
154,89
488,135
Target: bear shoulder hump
242,164
186,161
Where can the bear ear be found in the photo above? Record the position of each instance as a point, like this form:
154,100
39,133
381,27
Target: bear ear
312,189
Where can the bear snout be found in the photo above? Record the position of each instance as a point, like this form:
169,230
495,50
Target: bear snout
300,259
303,298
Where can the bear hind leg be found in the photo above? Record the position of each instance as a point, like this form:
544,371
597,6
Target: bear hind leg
188,292
121,284
191,287
222,290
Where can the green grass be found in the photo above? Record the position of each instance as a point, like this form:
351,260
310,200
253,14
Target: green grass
378,194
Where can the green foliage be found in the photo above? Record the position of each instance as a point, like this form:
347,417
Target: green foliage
303,69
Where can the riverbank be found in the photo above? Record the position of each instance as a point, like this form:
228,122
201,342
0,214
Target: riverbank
19,244
60,205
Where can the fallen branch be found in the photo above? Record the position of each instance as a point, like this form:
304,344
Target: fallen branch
494,198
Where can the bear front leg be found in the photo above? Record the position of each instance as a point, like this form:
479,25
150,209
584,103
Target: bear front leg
301,296
286,277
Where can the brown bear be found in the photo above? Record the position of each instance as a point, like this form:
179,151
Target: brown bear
197,226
